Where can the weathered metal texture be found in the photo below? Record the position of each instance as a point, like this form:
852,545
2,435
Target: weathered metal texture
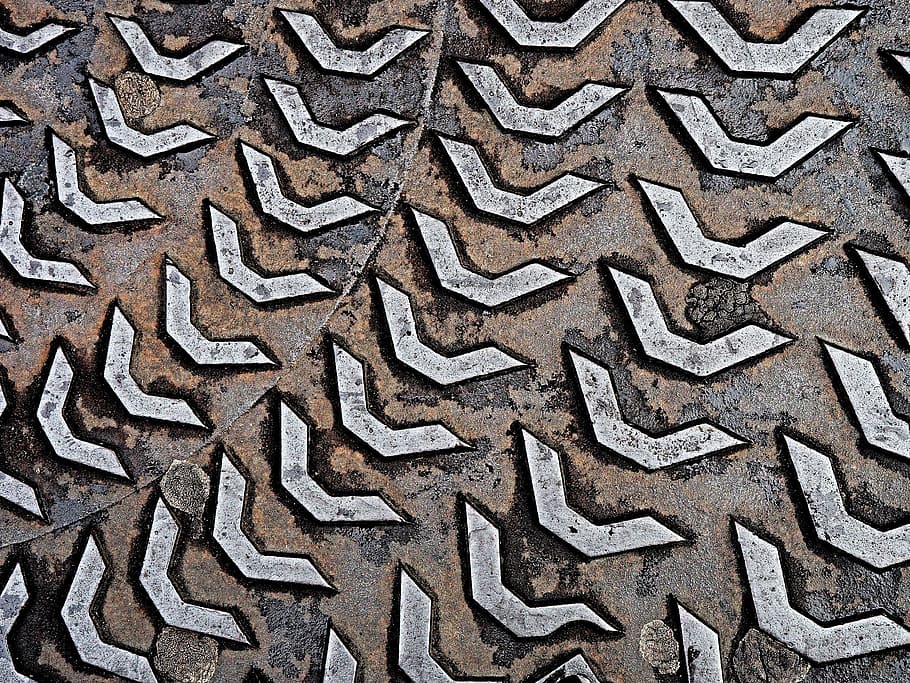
620,147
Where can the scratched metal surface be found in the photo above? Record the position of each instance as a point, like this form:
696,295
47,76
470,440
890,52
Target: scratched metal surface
423,341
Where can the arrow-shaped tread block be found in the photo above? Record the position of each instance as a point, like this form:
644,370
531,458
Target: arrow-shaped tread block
77,614
683,443
233,540
590,539
387,441
779,619
364,62
152,62
517,616
701,359
521,207
338,141
565,35
415,617
769,159
489,292
154,578
549,122
741,261
880,548
782,58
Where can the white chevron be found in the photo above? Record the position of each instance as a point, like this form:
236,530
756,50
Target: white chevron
229,535
66,175
741,261
696,358
152,62
174,610
881,548
387,441
322,505
777,58
769,159
338,141
566,34
261,171
259,288
366,62
516,615
417,355
779,619
118,375
489,292
77,615
145,145
555,515
551,122
521,207
178,323
682,443
20,259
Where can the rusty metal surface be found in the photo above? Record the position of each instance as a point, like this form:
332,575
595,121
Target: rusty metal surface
573,340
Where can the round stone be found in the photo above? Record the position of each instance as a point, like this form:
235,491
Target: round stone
659,647
137,93
185,657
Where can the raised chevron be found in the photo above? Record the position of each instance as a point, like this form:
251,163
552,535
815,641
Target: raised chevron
683,443
525,208
700,649
77,615
779,58
576,668
63,442
261,172
9,115
489,292
881,548
389,442
28,266
12,599
14,490
259,288
769,159
71,196
146,145
339,665
701,359
892,280
152,62
179,325
415,617
322,505
119,377
229,535
549,122
33,40
741,261
555,515
565,34
866,396
417,355
899,167
365,62
776,617
338,141
902,58
516,615
174,610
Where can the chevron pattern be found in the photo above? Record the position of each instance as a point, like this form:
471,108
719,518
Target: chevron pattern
454,340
